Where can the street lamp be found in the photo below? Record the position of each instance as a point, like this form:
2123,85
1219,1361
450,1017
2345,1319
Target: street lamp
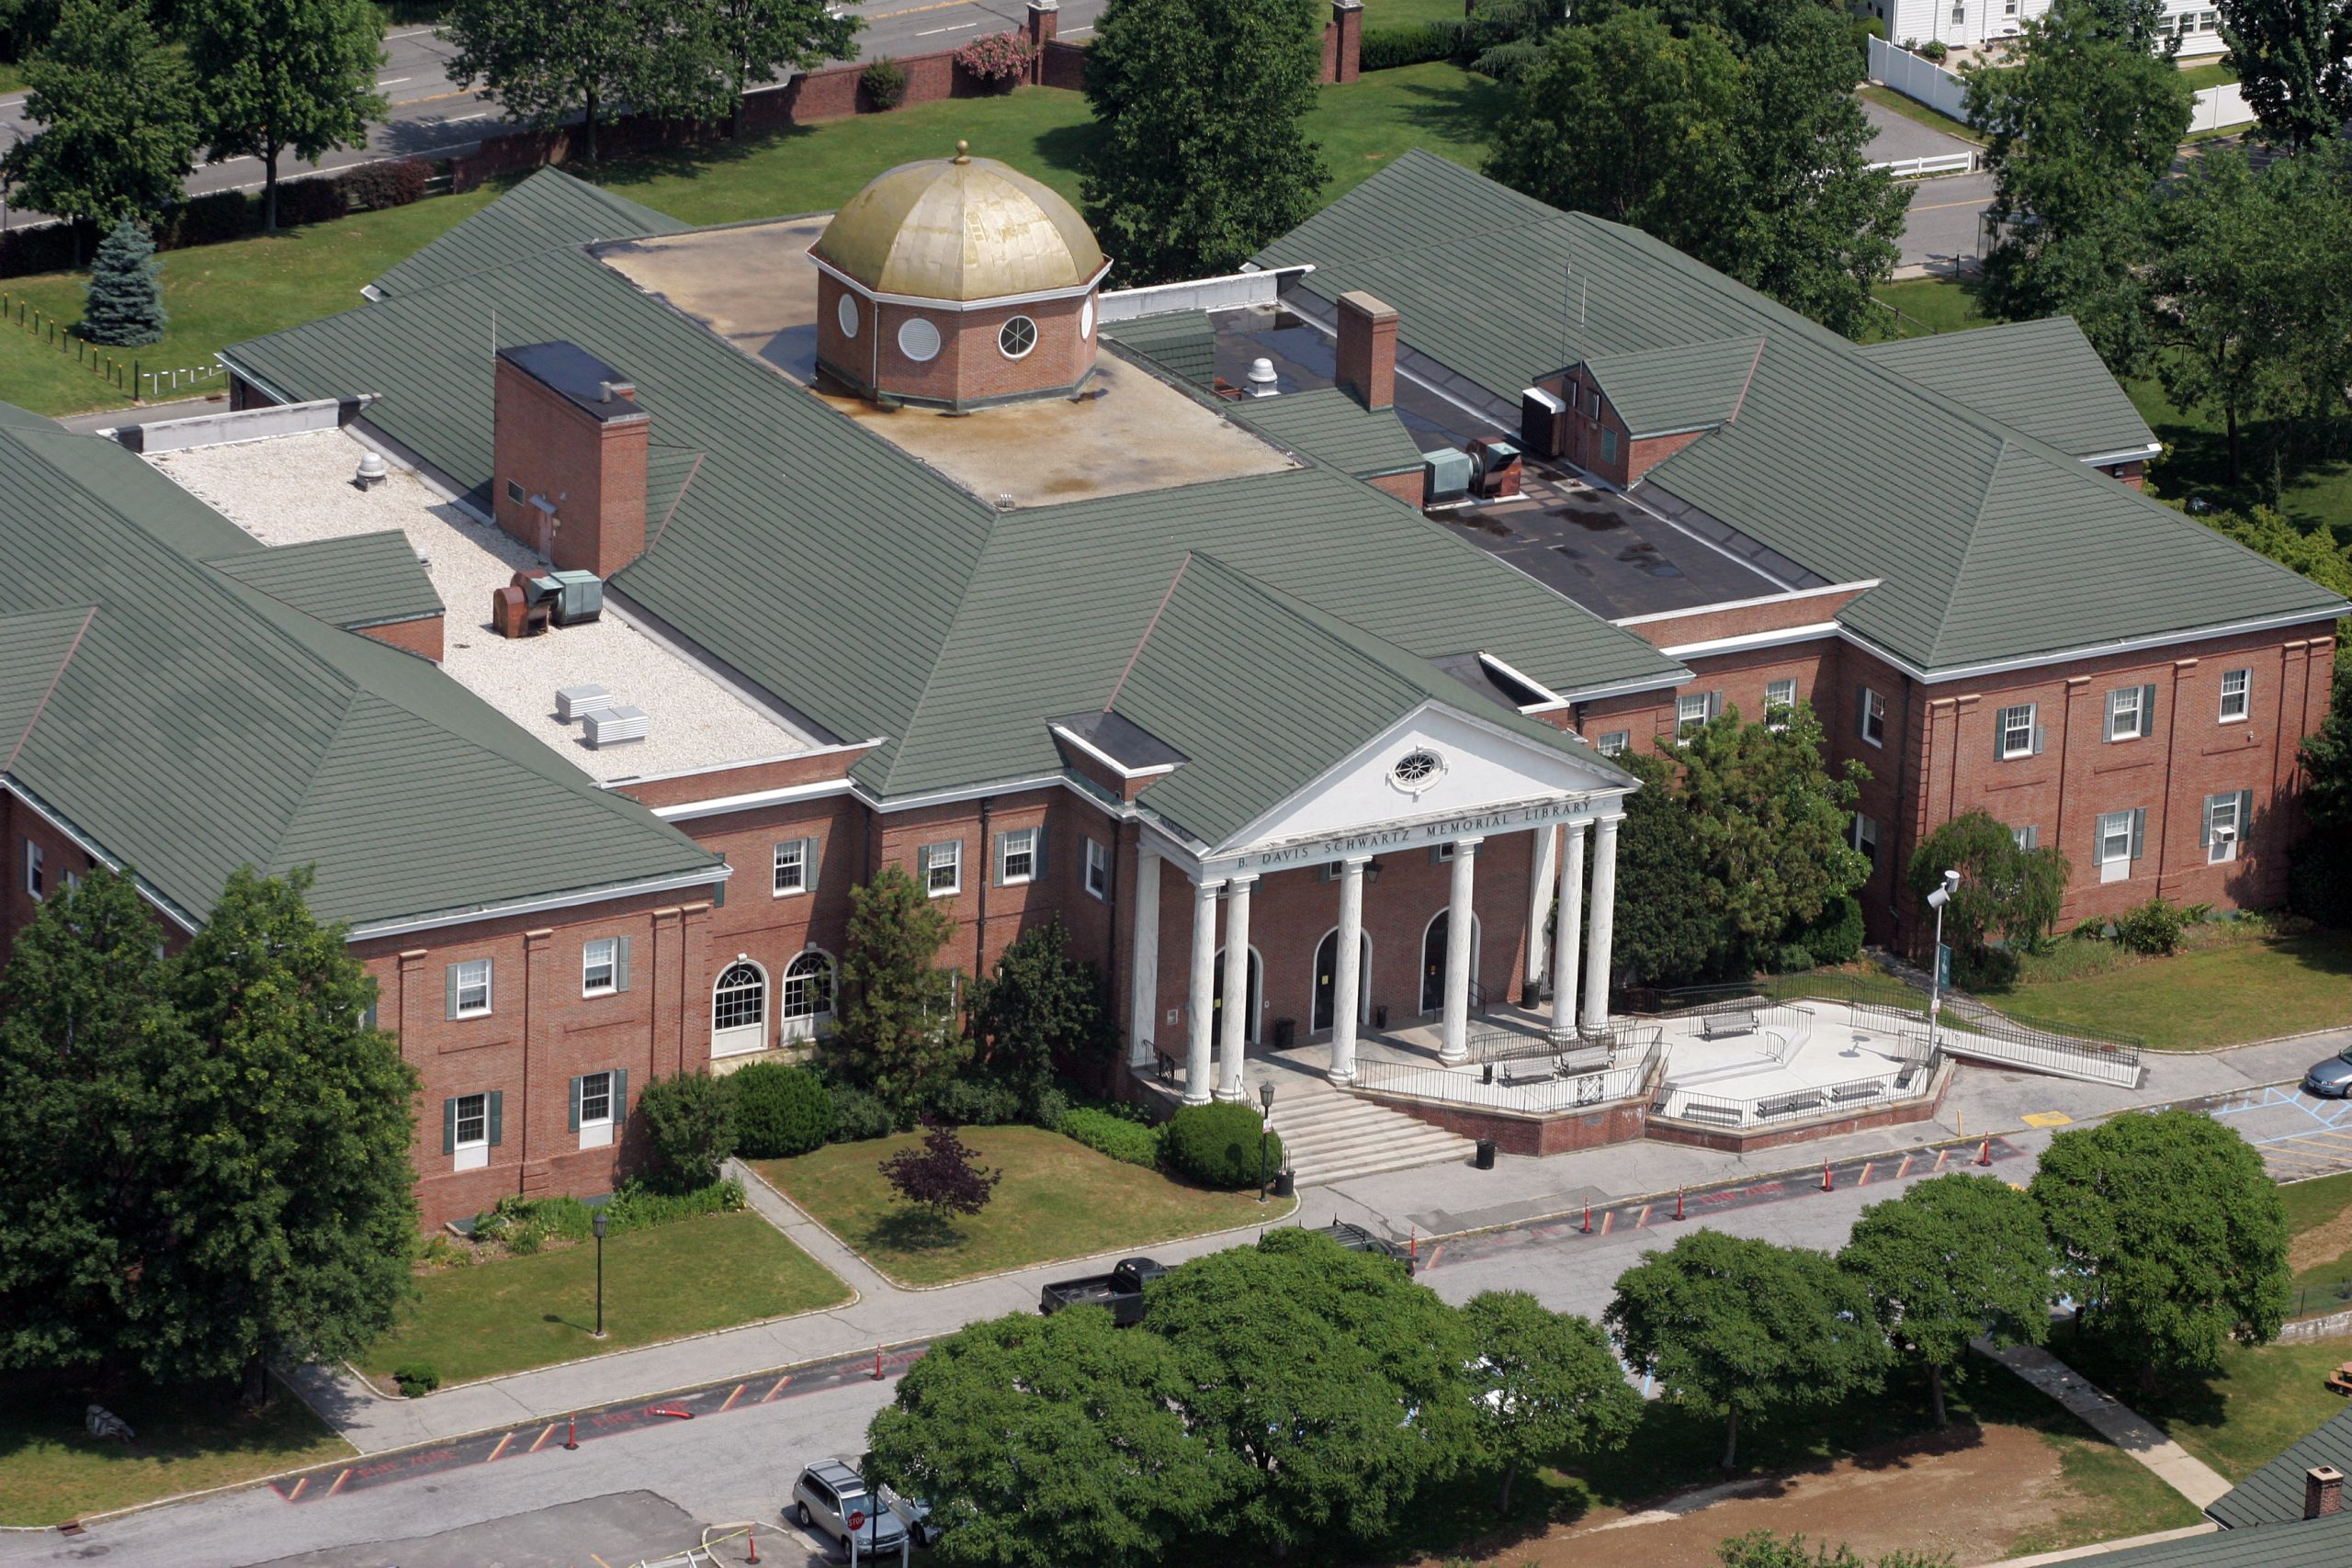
1265,1130
1936,902
597,1224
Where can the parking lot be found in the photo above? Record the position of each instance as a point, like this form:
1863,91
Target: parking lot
2299,1135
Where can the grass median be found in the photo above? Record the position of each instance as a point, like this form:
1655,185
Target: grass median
1059,1199
662,1282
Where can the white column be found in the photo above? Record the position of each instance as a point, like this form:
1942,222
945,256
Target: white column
1604,921
1347,975
1567,941
1143,961
1233,1039
1539,899
1460,925
1203,997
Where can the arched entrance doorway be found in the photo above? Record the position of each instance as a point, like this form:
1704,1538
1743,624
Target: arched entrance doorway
739,1010
1433,961
1255,1002
1327,970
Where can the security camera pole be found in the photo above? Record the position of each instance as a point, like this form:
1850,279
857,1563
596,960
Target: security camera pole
1936,902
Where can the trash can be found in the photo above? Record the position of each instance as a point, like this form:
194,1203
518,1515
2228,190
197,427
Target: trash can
1485,1154
1285,1182
1286,1031
1380,1016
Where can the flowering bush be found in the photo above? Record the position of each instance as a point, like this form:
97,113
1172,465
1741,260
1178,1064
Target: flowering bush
997,57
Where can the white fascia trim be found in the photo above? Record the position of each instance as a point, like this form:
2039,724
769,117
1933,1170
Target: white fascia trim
1552,700
785,795
1778,637
717,872
2093,650
747,762
2130,453
1790,597
1107,760
925,303
96,851
1627,688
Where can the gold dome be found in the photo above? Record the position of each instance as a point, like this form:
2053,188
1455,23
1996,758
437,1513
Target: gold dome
959,229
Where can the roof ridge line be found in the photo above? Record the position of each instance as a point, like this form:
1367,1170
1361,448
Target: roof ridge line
32,721
1149,626
318,762
1968,551
1740,401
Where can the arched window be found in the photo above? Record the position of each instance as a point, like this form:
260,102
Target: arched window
739,1010
807,1003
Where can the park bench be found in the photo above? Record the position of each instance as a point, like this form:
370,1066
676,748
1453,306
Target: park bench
1867,1089
1513,1074
1781,1105
1723,1025
1578,1059
1708,1111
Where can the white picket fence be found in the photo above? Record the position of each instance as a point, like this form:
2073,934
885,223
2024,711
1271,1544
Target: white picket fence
1921,168
1923,81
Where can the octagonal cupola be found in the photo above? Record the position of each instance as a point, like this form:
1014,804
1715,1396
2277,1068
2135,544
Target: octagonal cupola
956,283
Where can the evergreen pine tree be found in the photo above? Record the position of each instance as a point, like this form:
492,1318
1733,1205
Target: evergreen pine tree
125,307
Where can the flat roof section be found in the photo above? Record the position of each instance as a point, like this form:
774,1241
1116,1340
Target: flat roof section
1126,431
294,490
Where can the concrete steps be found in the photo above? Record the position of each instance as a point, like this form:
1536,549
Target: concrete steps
1332,1137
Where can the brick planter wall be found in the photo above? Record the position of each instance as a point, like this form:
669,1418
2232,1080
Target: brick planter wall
1535,1135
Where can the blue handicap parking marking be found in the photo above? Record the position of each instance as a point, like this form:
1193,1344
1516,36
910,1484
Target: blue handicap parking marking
2298,1136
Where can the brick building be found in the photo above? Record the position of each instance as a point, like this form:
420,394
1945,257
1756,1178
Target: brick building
1151,641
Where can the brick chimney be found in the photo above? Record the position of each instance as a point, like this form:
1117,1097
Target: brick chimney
1346,33
569,455
1367,368
2322,1490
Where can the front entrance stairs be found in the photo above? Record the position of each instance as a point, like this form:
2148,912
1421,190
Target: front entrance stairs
1332,1137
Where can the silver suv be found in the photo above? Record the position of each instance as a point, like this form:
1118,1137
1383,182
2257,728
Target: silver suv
833,1500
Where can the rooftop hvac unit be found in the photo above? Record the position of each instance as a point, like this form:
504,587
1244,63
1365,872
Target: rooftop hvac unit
1445,476
612,727
1498,462
579,702
511,612
579,596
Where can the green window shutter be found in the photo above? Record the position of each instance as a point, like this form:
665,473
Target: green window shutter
2139,828
448,1126
2147,711
620,964
2000,735
1862,711
452,973
620,1095
811,849
497,1116
2245,815
575,1105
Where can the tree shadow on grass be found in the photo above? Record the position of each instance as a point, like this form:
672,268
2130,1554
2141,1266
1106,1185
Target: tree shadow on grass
1468,111
915,1231
2195,1398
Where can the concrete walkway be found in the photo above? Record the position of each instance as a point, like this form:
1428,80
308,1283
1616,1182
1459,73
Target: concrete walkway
2126,1428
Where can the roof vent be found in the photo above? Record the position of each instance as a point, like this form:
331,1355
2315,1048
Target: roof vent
579,702
614,727
372,471
1261,379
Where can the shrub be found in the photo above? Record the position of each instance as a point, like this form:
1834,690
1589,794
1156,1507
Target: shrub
207,221
858,1116
1131,1142
688,1123
2092,930
396,182
524,1222
316,200
1983,968
1039,1007
1862,29
1935,49
440,1252
943,1178
1791,958
1386,48
780,1111
416,1379
1835,935
637,1206
978,1103
995,57
1046,1107
1216,1145
885,82
2153,927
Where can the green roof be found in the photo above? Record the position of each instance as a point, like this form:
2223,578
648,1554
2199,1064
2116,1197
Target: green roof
548,209
2274,1494
2044,377
1329,427
189,723
362,580
1182,343
2321,1544
1666,392
1991,544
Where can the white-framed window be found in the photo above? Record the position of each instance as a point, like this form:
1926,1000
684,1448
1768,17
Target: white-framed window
470,989
1780,695
1960,16
2020,737
36,878
1613,744
2008,8
807,995
943,868
469,1131
1098,868
1595,402
595,1109
1691,713
2225,823
1016,337
600,967
2209,21
1870,718
2126,713
796,867
1016,856
2028,837
1442,854
1866,838
2120,837
2237,694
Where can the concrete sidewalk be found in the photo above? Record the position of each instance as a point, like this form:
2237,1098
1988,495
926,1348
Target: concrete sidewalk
2126,1428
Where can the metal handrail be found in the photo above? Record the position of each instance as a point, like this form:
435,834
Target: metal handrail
1456,1086
1881,1089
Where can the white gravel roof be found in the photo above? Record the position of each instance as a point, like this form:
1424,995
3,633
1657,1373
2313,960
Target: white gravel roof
291,490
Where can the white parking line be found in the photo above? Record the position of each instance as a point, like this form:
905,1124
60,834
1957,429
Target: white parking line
960,27
462,119
395,81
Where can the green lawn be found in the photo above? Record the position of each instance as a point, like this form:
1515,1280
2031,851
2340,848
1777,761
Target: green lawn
2222,995
1059,1199
2322,1261
2237,1421
1913,109
687,1277
1409,13
187,1440
2213,73
1922,306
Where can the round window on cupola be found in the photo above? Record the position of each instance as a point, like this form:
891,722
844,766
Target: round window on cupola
1017,337
845,312
918,340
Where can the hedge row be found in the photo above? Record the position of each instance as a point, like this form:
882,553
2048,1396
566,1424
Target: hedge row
1386,48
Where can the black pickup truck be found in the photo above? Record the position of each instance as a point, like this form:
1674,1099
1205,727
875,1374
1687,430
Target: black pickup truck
1355,1238
1120,1290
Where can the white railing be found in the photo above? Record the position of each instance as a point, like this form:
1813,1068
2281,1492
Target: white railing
1546,1096
2088,1061
1921,81
1925,168
1909,1082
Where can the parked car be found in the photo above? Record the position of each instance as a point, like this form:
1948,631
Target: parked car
1121,1291
2331,1079
832,1499
915,1511
1355,1238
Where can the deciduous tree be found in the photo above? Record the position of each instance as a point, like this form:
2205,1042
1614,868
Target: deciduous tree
1543,1383
1668,931
766,39
2005,890
1039,1007
1949,1259
2172,1232
943,1178
2291,60
1741,1328
898,1034
116,116
544,61
1203,158
285,76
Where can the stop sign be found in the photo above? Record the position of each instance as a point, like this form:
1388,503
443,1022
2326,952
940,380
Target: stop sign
856,1517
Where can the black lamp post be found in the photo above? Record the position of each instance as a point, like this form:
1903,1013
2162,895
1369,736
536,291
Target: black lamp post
596,1223
1265,1130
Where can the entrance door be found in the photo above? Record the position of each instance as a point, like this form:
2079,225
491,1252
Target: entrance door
1433,961
1254,1001
739,1011
1327,970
